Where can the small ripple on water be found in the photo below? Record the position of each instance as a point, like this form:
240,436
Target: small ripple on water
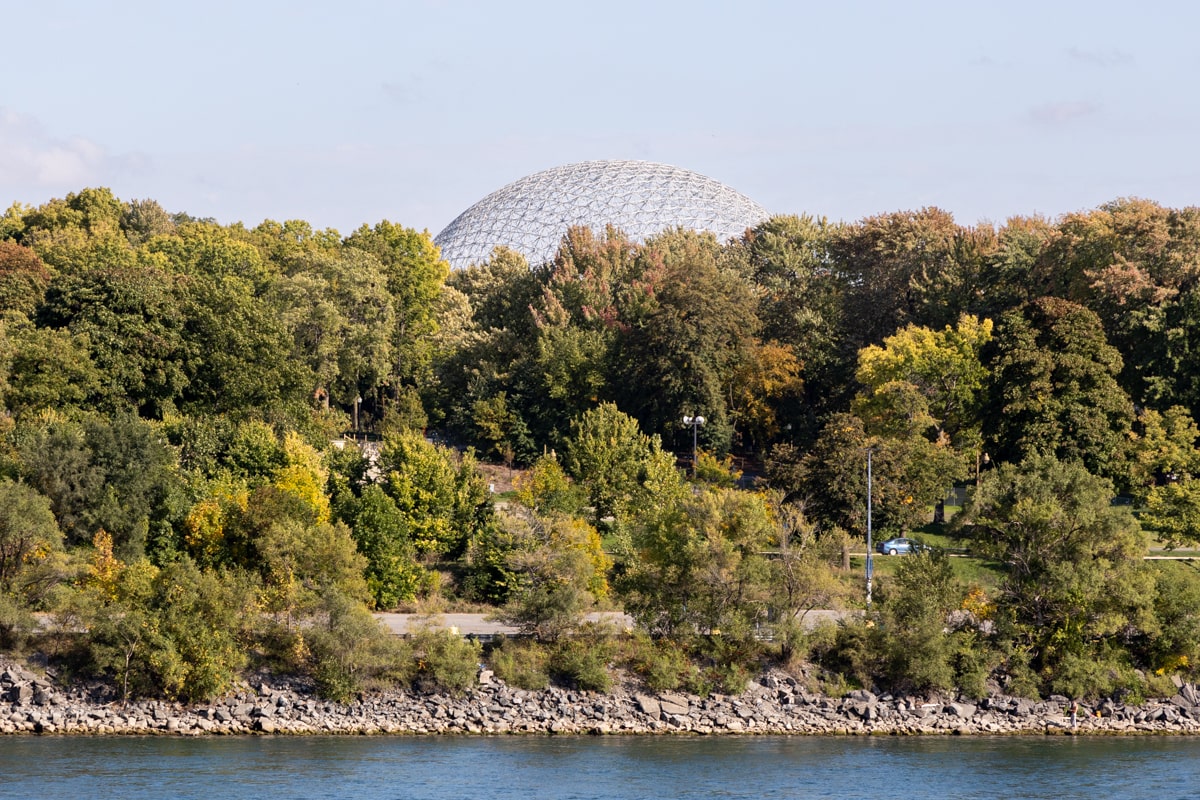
605,768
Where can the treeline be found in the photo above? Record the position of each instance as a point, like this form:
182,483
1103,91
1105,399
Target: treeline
171,388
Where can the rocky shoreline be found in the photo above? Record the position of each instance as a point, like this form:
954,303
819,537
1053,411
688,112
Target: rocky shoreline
30,704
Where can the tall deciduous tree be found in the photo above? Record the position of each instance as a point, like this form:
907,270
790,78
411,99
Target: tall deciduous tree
441,497
415,273
547,569
29,541
944,366
699,566
134,327
897,267
23,278
1054,390
611,458
685,328
1075,574
115,474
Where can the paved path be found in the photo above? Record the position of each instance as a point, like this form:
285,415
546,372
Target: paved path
477,624
480,625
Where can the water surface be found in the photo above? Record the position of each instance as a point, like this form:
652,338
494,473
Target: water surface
620,768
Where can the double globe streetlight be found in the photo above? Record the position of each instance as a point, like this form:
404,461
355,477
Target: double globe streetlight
694,423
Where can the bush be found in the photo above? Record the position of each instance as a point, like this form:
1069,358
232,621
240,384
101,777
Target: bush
1106,673
810,645
352,652
662,664
974,662
855,654
445,661
16,623
725,678
582,663
1021,680
523,664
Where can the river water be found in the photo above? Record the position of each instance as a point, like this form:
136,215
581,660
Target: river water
620,768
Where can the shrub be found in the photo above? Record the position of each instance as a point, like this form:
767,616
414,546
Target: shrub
521,663
855,654
582,663
1106,673
352,652
662,664
445,661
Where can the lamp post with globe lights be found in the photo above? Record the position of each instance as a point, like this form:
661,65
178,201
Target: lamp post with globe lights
694,423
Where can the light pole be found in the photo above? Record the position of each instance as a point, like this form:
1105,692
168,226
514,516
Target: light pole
695,423
869,529
357,400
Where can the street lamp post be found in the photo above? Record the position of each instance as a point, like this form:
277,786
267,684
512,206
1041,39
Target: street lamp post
695,423
869,529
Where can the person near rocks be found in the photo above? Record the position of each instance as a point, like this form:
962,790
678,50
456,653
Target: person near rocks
1074,713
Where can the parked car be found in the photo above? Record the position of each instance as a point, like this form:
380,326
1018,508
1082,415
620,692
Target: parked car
901,546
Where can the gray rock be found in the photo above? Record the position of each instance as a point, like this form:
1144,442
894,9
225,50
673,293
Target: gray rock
673,703
961,710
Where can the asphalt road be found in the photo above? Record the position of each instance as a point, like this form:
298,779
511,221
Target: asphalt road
480,625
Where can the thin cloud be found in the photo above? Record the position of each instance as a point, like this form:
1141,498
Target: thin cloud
1063,113
404,94
1101,58
30,156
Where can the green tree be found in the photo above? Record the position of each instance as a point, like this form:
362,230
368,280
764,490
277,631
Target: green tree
1054,390
441,497
1172,512
415,273
800,304
169,632
381,531
686,325
47,369
133,325
303,562
698,566
611,458
31,549
550,569
910,474
23,278
75,233
1164,449
142,220
117,475
1128,261
944,366
803,572
916,604
1075,575
239,355
897,270
1174,643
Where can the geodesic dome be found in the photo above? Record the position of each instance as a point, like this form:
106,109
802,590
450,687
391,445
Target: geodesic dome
640,198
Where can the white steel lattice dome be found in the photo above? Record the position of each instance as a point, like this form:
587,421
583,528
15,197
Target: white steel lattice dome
640,198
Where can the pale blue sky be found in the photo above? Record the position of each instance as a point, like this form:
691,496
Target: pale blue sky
350,112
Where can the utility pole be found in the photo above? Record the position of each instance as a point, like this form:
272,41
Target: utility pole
869,565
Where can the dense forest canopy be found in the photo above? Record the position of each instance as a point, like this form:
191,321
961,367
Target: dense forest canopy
171,390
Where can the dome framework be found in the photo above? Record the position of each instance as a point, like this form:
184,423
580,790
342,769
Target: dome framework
639,198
